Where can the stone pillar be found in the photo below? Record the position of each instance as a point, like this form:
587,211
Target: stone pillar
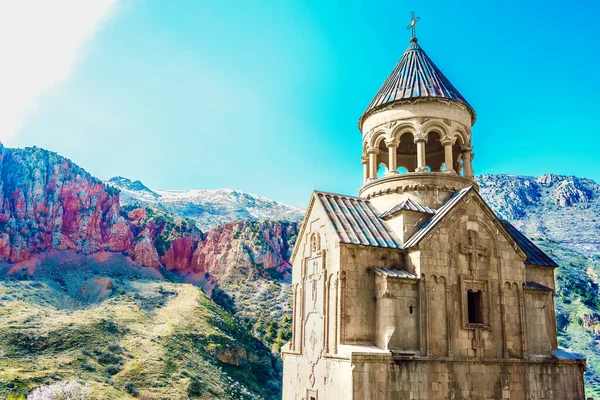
294,318
372,163
449,328
420,155
523,320
393,165
448,160
467,157
365,162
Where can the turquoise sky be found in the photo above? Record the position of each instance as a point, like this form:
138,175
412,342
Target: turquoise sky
265,96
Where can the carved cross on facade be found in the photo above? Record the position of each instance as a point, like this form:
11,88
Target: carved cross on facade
473,251
478,342
314,277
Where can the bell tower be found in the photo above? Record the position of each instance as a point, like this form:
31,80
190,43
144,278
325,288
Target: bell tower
416,289
416,136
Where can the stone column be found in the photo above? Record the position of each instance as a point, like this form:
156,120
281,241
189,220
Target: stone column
448,160
365,162
420,155
467,157
393,165
372,163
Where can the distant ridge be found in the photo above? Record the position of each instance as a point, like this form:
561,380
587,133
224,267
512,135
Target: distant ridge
207,208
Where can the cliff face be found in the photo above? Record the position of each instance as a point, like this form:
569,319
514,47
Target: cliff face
49,203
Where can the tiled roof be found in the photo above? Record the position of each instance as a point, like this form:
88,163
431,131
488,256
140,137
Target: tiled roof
395,273
416,76
356,222
440,213
536,286
535,256
407,205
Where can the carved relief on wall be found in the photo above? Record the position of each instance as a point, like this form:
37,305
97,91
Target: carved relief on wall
315,243
314,303
474,248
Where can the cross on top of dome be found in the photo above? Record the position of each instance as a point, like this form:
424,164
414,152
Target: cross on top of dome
413,24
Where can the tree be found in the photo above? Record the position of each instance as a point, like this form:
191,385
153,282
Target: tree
67,390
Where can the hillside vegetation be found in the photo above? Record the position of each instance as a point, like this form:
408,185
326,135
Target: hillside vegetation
145,336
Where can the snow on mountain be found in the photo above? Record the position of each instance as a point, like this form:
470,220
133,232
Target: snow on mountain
208,208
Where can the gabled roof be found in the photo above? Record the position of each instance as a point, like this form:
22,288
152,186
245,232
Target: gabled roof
408,205
395,273
415,77
535,256
437,217
356,222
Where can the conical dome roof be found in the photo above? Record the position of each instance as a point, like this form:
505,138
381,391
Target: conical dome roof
415,77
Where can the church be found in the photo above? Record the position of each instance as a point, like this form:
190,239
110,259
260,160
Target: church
415,289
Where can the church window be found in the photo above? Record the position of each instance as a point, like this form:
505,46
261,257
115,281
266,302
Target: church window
475,306
411,309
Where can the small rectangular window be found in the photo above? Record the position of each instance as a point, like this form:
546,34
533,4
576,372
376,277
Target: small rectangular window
475,306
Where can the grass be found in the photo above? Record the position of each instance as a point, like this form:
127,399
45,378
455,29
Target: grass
162,342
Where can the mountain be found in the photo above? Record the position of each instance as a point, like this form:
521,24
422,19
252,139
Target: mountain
207,208
84,283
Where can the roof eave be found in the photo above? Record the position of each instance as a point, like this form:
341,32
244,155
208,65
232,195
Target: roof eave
390,104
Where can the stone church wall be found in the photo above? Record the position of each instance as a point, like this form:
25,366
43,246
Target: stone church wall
540,321
331,379
358,289
458,380
397,314
468,252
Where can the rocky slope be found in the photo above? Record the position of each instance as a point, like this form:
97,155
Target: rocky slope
49,203
207,208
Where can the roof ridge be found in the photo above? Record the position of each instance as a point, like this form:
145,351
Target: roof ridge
317,192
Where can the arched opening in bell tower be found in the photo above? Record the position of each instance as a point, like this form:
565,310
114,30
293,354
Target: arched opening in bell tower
382,158
406,153
434,152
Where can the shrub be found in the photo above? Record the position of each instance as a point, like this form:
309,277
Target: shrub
108,358
131,389
15,396
67,390
88,366
113,369
114,347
